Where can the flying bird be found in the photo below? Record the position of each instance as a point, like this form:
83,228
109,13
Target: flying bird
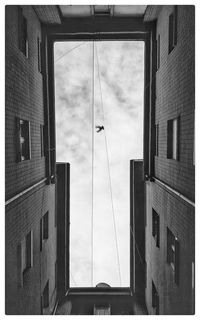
99,128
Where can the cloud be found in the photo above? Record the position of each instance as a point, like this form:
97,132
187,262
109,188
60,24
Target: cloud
122,71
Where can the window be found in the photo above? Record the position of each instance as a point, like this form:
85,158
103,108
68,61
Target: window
45,296
24,152
173,254
102,310
56,279
44,228
155,299
193,288
157,139
193,156
27,252
42,140
145,282
23,33
158,53
156,227
40,234
102,10
39,54
173,29
173,138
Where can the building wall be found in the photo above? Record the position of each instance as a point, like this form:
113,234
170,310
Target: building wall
178,216
83,304
175,96
24,99
138,235
22,216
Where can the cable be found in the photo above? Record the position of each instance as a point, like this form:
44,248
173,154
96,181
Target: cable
73,278
79,45
137,248
92,215
108,162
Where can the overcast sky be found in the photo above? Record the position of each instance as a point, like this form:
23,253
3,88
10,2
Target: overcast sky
122,80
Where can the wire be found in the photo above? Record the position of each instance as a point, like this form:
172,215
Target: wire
72,49
108,162
137,248
73,278
92,215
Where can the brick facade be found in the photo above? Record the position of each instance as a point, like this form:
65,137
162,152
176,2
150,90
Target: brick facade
22,216
175,97
179,218
24,99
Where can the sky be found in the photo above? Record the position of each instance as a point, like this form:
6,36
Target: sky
121,80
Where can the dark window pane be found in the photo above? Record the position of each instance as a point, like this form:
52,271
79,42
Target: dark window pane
46,226
156,227
171,22
23,33
29,250
45,296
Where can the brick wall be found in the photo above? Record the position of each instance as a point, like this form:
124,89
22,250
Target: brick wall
174,97
178,216
138,234
24,99
22,216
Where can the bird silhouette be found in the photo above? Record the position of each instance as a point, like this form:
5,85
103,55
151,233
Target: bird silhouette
99,128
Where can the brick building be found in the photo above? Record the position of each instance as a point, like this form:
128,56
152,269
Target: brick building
30,188
170,164
37,244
